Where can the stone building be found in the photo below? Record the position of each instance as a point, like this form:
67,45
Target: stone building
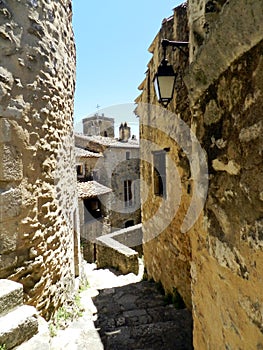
109,196
94,204
39,233
117,167
98,125
157,126
86,164
214,259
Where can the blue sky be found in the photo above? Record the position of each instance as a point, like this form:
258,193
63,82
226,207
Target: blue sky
112,40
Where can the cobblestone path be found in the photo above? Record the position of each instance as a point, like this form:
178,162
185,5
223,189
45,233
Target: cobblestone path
120,313
137,316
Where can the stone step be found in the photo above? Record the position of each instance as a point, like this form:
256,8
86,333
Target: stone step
155,336
18,326
40,341
139,295
11,295
143,316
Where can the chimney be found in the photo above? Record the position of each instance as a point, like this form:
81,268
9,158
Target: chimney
124,132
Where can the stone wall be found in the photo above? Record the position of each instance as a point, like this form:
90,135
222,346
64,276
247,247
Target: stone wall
124,260
121,170
98,125
120,249
227,113
112,170
38,209
221,102
130,237
167,253
203,15
90,230
88,167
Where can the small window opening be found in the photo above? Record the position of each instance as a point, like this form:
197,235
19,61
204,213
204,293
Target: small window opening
80,169
159,173
128,193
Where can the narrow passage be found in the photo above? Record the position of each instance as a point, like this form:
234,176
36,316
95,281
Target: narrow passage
121,312
130,313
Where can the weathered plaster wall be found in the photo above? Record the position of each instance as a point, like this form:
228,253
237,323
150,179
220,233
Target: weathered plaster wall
227,114
223,101
202,16
38,210
167,253
236,28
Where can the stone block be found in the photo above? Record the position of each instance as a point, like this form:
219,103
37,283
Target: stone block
11,167
231,167
8,236
11,295
41,340
10,203
124,261
251,133
5,134
6,77
8,261
18,326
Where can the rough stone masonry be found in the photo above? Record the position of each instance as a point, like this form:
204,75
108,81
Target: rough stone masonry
39,242
217,265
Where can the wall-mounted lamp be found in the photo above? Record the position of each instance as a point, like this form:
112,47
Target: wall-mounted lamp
164,79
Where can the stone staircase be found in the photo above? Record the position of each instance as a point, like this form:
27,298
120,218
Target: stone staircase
137,316
18,322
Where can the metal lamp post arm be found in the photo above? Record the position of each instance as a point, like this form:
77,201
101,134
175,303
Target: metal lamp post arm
174,44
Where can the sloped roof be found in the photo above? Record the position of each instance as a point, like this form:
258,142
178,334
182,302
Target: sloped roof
83,153
109,142
91,189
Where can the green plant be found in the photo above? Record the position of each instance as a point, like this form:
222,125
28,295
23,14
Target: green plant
84,286
59,321
63,314
79,308
3,347
66,314
52,330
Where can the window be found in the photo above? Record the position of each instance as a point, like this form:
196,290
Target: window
159,173
128,155
128,193
80,170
